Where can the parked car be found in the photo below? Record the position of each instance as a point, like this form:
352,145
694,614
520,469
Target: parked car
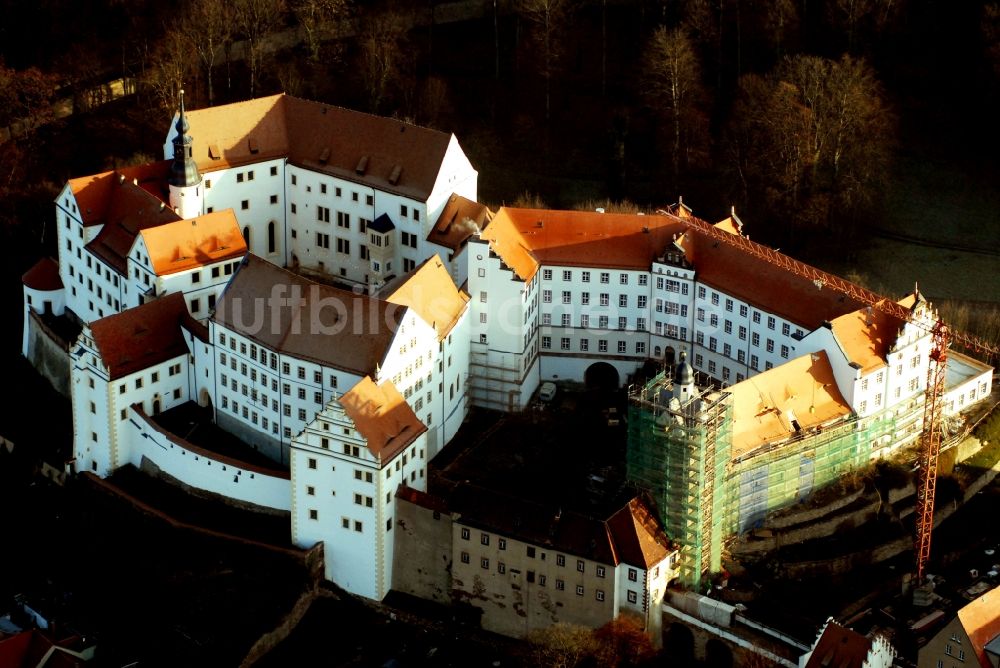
548,392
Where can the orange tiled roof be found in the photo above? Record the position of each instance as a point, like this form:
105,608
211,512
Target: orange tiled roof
384,153
432,294
382,416
124,208
95,194
764,406
186,244
867,335
762,284
459,220
981,621
140,337
526,238
637,535
43,275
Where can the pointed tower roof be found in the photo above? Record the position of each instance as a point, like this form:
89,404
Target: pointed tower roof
183,171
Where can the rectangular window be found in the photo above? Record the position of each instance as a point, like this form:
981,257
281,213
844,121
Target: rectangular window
632,597
579,590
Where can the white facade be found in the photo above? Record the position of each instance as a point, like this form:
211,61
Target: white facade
343,495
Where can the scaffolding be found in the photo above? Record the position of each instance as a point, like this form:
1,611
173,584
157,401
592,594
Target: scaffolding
678,453
681,454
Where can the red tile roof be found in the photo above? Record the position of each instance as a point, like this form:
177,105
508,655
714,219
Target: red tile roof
124,209
140,337
981,621
382,416
866,336
43,275
379,152
432,294
356,329
762,284
803,389
839,648
422,499
95,194
459,220
527,238
186,244
631,535
638,536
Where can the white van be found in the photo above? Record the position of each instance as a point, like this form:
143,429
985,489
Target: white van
548,392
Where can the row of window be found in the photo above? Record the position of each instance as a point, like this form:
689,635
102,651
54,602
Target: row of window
605,277
565,343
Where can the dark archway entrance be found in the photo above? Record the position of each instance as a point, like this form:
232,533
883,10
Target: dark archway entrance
678,643
601,376
718,654
669,356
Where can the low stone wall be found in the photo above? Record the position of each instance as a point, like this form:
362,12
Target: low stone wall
275,636
845,563
818,529
48,354
790,518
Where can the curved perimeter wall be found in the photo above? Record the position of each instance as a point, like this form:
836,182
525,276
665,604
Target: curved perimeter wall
203,469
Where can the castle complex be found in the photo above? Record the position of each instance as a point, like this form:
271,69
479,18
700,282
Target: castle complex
325,287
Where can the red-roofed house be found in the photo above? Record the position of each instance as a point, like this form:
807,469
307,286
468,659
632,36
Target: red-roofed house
526,566
839,647
138,356
971,638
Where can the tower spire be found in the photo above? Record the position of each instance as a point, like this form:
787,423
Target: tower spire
183,171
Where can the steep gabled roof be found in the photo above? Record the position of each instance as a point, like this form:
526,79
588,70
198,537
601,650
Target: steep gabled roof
124,208
460,219
432,294
143,336
96,195
839,647
382,417
638,535
866,336
379,152
981,621
764,406
43,275
632,535
186,244
308,320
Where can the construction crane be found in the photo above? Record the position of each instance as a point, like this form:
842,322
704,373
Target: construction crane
942,338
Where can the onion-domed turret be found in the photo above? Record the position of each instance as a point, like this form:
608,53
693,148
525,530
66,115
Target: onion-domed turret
183,171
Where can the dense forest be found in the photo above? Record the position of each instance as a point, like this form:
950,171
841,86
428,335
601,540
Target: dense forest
796,112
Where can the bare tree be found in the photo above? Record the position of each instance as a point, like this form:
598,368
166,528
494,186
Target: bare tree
814,139
856,16
561,645
547,20
382,37
673,84
207,26
257,19
169,67
320,20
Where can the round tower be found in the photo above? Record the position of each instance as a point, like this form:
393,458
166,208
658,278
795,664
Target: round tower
187,196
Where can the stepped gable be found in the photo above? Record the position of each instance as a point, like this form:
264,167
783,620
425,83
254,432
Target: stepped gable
382,417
